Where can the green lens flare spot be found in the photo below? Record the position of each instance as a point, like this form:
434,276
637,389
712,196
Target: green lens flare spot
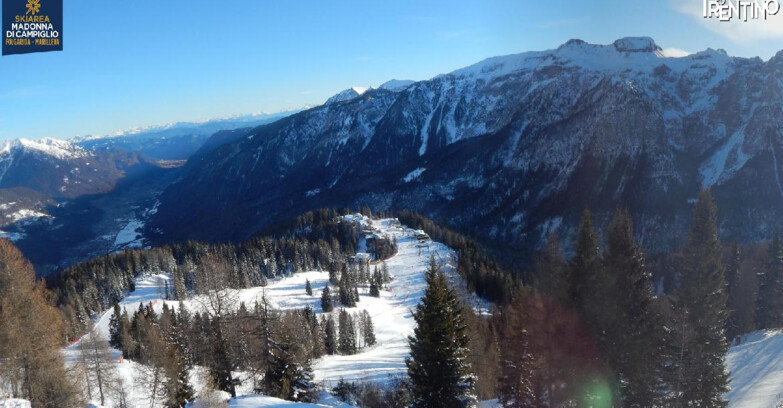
597,394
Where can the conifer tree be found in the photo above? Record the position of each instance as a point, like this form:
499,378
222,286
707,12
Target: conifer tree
516,388
179,285
440,375
116,327
347,295
368,329
636,327
308,288
701,377
285,378
593,290
374,292
330,336
585,264
733,292
385,273
769,306
126,340
551,271
346,343
333,275
326,300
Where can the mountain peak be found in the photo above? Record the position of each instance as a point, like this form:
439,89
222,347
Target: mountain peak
636,44
396,85
347,94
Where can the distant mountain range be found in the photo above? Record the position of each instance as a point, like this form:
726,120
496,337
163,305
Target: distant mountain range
514,148
175,141
62,201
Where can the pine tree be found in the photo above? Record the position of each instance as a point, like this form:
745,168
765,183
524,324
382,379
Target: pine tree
308,288
355,295
593,295
636,328
516,388
346,343
116,327
374,292
126,340
330,336
385,273
285,379
179,285
769,309
326,300
368,329
551,271
347,295
333,275
701,378
440,375
585,264
733,292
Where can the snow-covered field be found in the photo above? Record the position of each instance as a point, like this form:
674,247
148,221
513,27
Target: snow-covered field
13,403
756,366
391,314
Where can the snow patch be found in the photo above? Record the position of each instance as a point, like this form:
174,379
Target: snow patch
396,85
13,403
415,174
756,366
129,236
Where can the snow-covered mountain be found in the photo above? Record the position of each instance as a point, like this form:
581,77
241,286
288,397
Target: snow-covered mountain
347,94
61,169
515,147
397,85
173,141
59,202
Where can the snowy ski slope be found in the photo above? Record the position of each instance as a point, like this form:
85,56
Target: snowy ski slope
391,314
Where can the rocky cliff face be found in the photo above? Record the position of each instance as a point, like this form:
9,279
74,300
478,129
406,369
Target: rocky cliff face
515,147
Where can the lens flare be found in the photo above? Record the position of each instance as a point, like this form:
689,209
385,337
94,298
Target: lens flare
597,394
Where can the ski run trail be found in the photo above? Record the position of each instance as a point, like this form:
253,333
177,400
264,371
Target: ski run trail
391,313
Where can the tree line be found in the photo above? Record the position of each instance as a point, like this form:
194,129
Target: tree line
592,328
315,241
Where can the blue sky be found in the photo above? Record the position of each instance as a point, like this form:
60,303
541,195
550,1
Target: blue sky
144,62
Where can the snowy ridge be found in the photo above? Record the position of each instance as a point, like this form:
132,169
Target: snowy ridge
229,121
396,85
347,94
60,149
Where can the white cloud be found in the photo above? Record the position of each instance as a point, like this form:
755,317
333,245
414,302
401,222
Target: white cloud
674,53
738,31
